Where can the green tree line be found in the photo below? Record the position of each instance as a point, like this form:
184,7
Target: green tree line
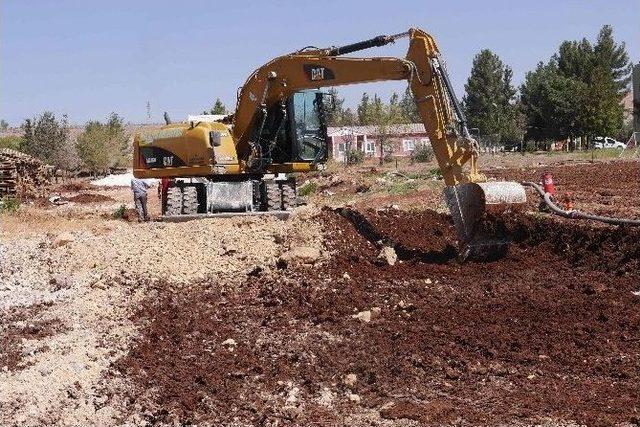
576,93
98,147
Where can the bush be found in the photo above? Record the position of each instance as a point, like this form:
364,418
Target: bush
309,187
9,205
434,173
47,138
355,157
11,141
405,187
103,145
423,154
119,213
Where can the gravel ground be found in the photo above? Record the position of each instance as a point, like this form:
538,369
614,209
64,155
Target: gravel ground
88,278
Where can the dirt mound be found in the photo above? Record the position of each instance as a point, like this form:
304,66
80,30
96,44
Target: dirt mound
130,215
76,186
92,279
427,235
546,333
89,198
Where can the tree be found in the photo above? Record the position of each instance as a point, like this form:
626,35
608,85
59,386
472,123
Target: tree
349,139
118,140
386,129
394,107
47,139
388,121
550,102
101,146
612,59
365,110
218,108
3,125
378,110
575,59
335,109
93,148
489,100
601,112
408,107
27,135
349,118
579,91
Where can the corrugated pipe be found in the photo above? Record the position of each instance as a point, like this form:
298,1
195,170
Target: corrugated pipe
573,214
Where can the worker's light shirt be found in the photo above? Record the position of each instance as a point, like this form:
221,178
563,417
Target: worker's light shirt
139,187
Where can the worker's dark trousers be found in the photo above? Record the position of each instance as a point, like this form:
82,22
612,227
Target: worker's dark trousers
141,207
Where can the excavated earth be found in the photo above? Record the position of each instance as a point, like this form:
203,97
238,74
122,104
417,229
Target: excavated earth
548,335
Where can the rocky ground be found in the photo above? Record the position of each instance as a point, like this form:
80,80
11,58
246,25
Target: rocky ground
355,314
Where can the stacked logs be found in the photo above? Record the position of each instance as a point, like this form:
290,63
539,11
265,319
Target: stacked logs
22,175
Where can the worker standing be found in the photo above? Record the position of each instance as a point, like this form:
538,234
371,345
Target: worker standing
139,188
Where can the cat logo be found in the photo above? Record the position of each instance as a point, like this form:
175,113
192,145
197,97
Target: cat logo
316,73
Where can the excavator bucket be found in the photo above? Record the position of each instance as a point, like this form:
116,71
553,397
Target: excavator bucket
469,203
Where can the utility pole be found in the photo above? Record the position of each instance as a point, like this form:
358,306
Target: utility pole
636,98
148,112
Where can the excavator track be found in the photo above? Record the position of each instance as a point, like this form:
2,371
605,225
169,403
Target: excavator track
189,201
289,196
174,201
273,197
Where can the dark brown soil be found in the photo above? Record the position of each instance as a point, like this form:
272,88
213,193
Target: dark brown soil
18,325
89,198
611,188
550,331
418,234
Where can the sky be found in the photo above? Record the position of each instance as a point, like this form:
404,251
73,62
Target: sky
86,59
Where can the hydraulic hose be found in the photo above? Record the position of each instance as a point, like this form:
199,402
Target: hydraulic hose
574,214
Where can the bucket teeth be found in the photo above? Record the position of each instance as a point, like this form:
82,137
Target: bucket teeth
468,204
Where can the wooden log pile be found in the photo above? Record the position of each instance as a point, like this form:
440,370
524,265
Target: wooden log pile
22,175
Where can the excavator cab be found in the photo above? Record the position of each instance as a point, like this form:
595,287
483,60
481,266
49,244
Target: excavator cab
308,124
294,131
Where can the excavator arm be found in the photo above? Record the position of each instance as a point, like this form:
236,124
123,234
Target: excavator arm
467,193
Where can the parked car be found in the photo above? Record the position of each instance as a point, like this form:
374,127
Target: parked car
607,142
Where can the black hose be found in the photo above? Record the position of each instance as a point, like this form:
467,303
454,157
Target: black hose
354,47
577,214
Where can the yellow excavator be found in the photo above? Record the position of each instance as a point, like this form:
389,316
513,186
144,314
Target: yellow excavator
244,162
